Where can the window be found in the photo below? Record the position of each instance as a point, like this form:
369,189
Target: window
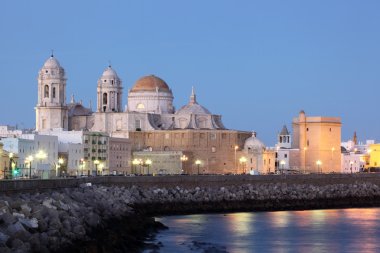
213,136
224,136
111,81
280,139
308,143
307,129
202,135
140,106
213,149
105,98
46,91
137,124
167,136
285,155
53,92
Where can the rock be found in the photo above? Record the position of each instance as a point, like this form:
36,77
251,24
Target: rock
3,238
48,203
18,215
29,223
15,228
8,218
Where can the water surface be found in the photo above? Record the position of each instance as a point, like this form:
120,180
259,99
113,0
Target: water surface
334,230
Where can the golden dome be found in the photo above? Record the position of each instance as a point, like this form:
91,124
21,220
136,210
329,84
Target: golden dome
149,83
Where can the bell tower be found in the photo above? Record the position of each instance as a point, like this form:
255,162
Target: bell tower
51,108
109,92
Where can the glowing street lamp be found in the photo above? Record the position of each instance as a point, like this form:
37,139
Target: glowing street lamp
101,166
243,161
319,163
183,159
198,163
135,162
82,165
29,160
282,163
148,162
235,161
61,161
96,162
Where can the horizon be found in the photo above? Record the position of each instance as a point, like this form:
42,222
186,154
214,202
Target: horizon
256,64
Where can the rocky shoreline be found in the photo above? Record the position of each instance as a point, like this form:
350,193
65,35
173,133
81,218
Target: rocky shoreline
96,218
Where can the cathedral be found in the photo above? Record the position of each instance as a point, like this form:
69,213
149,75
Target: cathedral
149,118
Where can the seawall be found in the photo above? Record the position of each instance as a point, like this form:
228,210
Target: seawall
54,215
9,186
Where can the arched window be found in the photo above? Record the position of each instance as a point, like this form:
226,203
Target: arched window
280,139
46,91
53,92
104,98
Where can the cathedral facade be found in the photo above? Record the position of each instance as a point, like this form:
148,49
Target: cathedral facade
149,118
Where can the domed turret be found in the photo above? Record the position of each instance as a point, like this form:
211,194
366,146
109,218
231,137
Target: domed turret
253,144
52,62
109,91
193,107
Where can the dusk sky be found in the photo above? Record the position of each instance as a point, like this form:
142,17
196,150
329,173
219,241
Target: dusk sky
257,63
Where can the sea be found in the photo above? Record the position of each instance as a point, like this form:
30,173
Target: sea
331,230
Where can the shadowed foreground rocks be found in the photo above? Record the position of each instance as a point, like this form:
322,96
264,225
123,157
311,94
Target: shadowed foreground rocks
95,218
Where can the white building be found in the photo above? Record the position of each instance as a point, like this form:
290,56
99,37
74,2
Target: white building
43,149
8,131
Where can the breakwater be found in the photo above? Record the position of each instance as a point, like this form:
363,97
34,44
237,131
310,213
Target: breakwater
56,219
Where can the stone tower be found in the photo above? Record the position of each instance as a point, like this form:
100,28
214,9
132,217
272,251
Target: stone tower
109,92
51,109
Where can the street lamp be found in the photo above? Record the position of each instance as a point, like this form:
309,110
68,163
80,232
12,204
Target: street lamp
304,159
148,162
319,163
96,162
82,164
235,161
101,166
9,172
282,162
183,159
58,166
351,163
29,160
198,162
242,161
135,162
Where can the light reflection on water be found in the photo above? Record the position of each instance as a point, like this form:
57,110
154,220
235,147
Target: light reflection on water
338,230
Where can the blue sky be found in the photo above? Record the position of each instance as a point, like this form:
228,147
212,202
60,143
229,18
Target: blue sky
257,63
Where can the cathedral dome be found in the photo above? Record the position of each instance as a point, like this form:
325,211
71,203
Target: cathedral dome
253,143
150,83
52,62
192,109
109,73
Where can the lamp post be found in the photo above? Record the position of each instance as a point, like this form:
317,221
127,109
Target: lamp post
60,163
331,161
29,160
101,166
282,162
243,161
9,172
319,163
235,161
82,164
198,163
368,161
135,162
351,163
96,162
183,159
304,159
148,162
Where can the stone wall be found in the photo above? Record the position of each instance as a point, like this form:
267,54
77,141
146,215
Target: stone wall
188,181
